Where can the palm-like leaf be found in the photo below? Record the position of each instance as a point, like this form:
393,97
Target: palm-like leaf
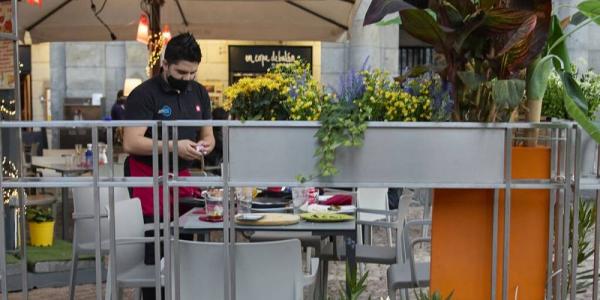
378,9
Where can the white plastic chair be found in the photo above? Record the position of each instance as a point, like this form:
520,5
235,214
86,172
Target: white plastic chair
84,226
129,234
268,270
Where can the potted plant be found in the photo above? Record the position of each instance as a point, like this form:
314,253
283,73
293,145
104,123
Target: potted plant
41,226
488,47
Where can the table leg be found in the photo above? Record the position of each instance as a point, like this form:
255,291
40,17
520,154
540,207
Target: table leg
350,241
65,216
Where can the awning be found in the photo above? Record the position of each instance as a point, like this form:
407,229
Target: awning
270,20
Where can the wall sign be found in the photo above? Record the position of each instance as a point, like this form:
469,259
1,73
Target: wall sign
250,61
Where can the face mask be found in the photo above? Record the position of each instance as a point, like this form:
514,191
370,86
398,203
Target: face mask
178,84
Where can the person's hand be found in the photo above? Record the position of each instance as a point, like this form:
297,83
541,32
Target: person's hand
186,149
204,147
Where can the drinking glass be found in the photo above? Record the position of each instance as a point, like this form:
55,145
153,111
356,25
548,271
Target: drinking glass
244,197
299,196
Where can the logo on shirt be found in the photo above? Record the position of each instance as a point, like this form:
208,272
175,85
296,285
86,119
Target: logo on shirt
197,108
165,111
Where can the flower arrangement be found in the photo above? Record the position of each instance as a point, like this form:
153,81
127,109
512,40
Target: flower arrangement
286,92
261,98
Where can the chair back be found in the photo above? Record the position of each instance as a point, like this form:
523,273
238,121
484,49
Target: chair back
83,204
407,239
129,223
47,160
268,270
371,198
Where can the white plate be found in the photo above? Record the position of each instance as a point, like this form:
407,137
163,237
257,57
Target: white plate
344,209
249,217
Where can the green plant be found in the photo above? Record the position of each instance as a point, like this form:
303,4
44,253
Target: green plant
435,296
261,98
486,45
39,214
357,285
365,96
553,103
555,56
585,249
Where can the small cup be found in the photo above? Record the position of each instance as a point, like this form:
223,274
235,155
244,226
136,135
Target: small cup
244,197
299,196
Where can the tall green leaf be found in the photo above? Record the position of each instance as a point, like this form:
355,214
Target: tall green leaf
537,78
574,91
591,9
508,92
422,26
378,9
571,91
559,49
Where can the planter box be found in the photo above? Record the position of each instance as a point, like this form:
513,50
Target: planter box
390,155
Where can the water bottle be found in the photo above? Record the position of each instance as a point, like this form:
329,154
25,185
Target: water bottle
89,156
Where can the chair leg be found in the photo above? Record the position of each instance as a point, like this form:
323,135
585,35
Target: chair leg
323,281
73,277
392,294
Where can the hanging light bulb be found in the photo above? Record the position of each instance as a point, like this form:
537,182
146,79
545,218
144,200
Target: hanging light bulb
35,2
143,32
166,34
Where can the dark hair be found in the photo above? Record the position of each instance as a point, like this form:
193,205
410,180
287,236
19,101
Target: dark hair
183,47
119,94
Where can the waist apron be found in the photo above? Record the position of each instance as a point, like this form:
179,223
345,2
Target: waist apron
136,168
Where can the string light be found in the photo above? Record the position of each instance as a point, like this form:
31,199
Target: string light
8,170
7,107
155,45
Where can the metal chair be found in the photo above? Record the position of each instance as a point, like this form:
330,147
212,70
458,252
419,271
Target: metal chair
129,234
372,211
84,227
409,274
269,270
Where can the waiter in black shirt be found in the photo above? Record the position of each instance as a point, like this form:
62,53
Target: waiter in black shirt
171,95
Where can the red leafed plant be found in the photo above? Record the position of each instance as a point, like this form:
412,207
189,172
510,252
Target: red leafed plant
486,46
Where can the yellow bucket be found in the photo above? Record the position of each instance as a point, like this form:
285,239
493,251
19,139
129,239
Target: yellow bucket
41,234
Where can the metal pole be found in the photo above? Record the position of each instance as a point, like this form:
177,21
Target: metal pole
2,236
98,253
156,212
228,225
553,168
176,285
495,245
575,242
23,221
596,233
507,179
566,215
166,210
559,211
111,218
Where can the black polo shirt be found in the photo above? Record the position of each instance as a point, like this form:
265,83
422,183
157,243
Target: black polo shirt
154,99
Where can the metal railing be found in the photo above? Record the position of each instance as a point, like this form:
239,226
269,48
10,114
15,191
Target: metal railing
563,139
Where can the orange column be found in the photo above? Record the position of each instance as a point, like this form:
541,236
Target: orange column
462,235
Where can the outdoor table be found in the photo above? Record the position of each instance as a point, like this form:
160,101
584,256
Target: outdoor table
191,224
65,171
